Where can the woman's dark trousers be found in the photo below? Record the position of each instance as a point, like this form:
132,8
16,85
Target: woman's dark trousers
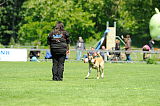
58,66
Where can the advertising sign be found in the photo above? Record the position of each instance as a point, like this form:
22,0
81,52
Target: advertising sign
13,54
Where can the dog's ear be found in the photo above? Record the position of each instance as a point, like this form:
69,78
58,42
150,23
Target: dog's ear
87,53
98,54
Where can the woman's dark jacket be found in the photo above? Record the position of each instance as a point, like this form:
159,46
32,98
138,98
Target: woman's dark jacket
58,41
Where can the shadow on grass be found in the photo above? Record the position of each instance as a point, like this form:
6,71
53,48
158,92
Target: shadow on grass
90,78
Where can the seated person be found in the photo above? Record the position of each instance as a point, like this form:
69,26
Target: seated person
34,55
91,52
147,47
48,55
146,55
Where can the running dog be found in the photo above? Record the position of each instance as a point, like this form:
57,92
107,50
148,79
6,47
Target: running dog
96,62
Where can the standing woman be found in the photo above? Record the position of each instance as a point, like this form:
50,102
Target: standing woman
79,48
58,39
128,47
117,48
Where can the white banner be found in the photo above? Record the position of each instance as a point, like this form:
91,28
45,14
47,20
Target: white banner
13,54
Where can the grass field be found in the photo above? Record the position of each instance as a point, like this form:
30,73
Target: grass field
29,84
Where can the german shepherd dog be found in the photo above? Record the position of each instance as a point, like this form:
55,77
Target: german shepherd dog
96,62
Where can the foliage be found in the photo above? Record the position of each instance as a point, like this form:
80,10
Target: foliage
134,16
1,46
35,31
9,20
31,20
151,61
38,15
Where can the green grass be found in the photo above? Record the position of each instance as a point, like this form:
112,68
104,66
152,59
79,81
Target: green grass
29,84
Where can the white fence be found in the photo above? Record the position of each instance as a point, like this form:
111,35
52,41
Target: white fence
19,54
136,55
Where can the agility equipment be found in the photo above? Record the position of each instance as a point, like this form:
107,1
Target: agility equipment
108,38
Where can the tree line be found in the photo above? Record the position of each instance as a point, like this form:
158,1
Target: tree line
28,22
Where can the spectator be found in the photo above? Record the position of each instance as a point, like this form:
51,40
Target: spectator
151,43
127,47
117,48
48,55
92,51
79,47
34,55
147,47
104,54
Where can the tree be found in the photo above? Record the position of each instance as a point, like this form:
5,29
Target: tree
39,15
133,18
33,20
9,20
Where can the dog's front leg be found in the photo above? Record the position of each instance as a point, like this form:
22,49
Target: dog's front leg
98,73
102,73
90,68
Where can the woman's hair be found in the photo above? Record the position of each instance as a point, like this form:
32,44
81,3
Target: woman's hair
59,26
58,29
